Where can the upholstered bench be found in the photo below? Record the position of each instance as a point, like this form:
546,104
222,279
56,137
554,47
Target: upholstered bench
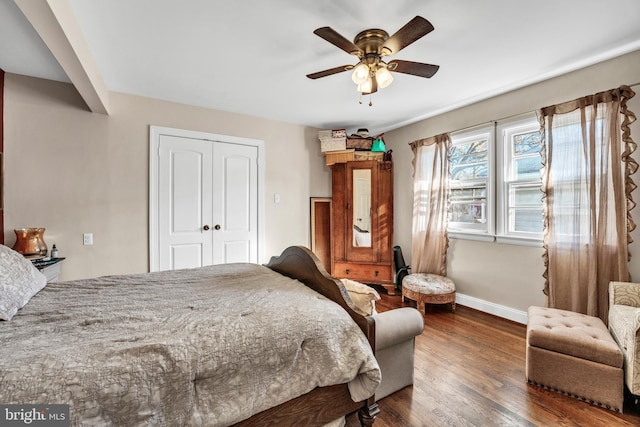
430,289
574,354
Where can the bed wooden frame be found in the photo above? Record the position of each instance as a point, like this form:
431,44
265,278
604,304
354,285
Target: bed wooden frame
323,404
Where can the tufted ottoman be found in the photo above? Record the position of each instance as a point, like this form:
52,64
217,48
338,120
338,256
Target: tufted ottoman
574,354
430,289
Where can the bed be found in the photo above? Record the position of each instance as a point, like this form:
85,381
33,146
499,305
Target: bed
237,344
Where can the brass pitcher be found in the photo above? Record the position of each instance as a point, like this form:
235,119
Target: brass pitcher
30,242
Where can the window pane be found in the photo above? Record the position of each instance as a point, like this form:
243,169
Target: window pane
469,152
527,168
527,196
469,193
465,172
469,160
527,220
470,212
527,143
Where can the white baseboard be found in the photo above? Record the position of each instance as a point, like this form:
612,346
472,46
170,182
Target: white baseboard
503,311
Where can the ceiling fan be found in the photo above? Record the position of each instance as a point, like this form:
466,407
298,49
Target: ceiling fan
370,46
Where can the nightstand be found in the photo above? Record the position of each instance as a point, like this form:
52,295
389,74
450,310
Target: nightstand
50,268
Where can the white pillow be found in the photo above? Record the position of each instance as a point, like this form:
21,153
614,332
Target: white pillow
19,281
363,296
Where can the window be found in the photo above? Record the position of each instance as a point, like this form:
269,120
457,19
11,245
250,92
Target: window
471,182
514,213
520,193
571,188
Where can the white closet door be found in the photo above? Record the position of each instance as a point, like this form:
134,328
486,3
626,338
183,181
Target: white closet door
207,206
235,207
185,202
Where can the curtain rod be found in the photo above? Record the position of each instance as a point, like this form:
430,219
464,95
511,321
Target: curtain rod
495,121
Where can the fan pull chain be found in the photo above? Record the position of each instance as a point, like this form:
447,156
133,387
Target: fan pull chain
360,100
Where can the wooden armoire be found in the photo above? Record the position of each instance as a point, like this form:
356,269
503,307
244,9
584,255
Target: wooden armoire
362,222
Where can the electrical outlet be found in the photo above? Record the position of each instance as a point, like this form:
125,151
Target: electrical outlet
87,239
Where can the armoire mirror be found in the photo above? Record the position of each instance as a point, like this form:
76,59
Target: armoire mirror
361,207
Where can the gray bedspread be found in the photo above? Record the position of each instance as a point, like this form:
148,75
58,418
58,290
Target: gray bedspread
208,346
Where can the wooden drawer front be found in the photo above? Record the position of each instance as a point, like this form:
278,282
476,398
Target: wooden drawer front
363,272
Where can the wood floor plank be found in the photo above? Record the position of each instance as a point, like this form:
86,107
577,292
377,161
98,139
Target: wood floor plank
470,371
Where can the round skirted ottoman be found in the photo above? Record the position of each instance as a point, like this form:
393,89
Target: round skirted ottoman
426,288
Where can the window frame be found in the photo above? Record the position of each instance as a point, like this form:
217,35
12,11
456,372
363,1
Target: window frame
505,130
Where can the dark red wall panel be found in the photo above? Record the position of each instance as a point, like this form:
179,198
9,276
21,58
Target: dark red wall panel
1,156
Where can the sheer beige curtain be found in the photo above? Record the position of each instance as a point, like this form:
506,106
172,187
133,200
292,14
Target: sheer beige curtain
587,184
430,205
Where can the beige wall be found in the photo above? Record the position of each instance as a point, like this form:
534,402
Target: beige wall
507,275
73,172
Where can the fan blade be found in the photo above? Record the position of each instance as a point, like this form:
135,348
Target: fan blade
412,31
333,37
330,71
413,68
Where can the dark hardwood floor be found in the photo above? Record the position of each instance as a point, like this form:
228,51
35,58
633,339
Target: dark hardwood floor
470,371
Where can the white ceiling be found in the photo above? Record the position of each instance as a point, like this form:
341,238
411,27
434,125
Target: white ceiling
252,56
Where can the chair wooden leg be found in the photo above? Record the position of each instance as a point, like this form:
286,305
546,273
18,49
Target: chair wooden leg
422,307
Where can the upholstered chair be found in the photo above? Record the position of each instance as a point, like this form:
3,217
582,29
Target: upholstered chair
396,331
395,344
624,325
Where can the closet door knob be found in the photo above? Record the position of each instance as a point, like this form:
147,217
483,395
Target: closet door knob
217,227
206,227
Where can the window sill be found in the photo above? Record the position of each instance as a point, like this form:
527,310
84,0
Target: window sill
521,241
471,236
506,240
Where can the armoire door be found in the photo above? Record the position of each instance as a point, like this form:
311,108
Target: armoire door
207,205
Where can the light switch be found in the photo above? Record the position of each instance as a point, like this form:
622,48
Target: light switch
87,239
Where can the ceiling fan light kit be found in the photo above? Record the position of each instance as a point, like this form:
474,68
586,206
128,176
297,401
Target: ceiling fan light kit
383,77
365,87
371,72
360,74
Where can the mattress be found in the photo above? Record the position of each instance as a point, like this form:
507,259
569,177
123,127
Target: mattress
208,346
